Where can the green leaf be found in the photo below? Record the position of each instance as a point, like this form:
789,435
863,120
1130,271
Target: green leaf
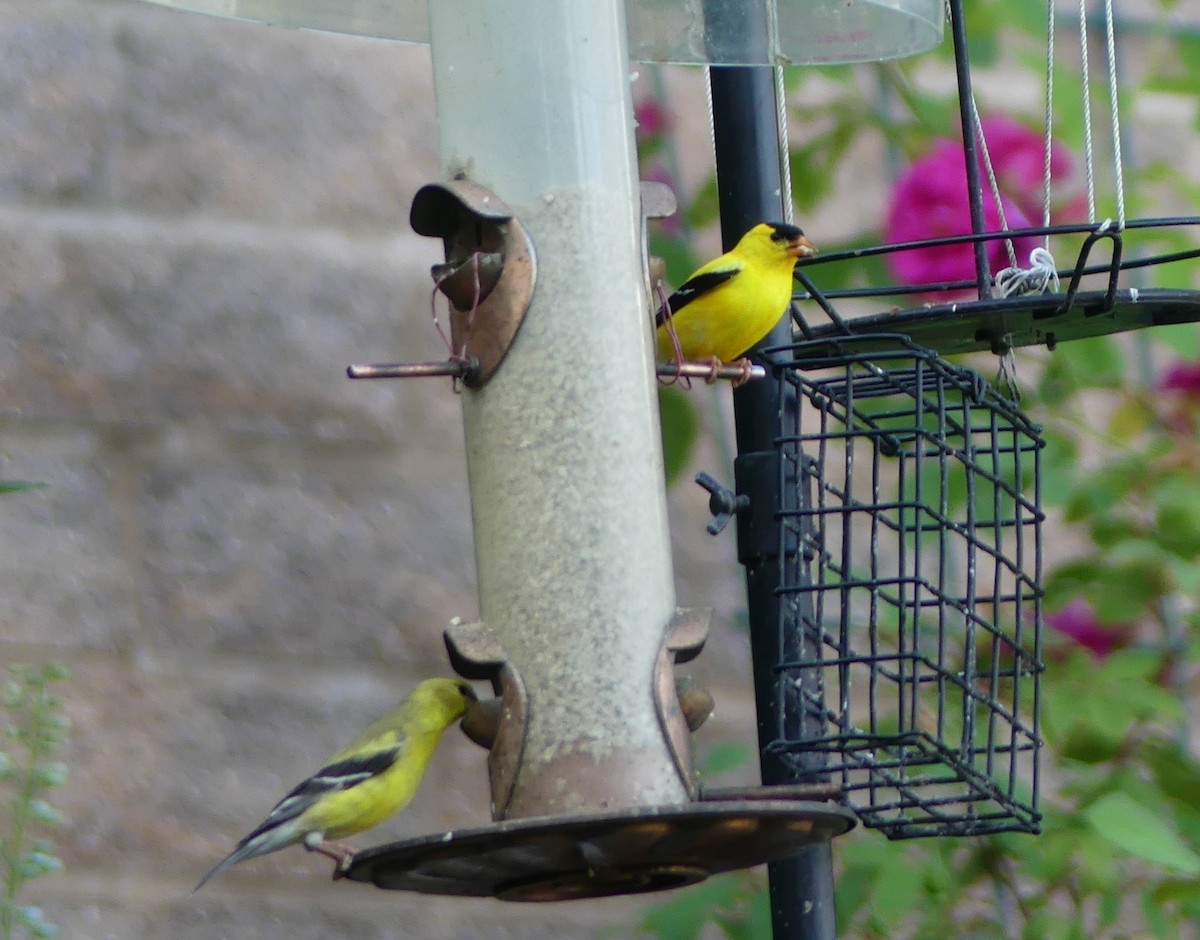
1028,15
50,775
37,864
1175,889
1176,773
1129,419
982,48
1097,362
853,889
1157,919
680,429
1111,531
678,256
1177,516
1131,827
35,922
1124,593
45,931
1179,72
1068,581
1089,745
45,814
12,695
1058,470
750,917
16,486
1145,582
1040,927
1183,339
685,916
1101,491
759,916
896,894
1057,384
1184,576
704,206
1110,908
725,756
1174,277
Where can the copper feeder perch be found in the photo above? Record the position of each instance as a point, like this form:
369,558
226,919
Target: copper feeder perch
489,277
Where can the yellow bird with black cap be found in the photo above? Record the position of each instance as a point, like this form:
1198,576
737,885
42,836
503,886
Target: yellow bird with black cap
731,303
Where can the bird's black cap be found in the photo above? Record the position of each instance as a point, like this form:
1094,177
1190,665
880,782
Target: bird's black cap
784,232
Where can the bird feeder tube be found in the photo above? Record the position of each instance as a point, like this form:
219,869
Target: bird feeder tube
593,791
563,445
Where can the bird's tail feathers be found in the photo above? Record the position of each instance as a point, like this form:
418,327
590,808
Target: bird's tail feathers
257,843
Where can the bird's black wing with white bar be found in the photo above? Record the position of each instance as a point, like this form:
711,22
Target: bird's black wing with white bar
338,776
692,288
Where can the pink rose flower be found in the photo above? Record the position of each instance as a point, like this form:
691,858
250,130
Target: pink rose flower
1180,385
1181,377
652,118
1078,622
929,200
1018,157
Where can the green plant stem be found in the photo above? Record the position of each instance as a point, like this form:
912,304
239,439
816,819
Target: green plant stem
35,741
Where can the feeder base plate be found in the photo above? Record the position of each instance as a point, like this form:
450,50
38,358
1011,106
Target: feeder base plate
600,855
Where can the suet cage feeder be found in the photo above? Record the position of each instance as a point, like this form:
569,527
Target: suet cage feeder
910,531
910,523
910,528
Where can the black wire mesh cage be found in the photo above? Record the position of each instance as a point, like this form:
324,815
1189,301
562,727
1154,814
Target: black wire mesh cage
911,608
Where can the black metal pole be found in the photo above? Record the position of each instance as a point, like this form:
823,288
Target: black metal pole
749,188
966,114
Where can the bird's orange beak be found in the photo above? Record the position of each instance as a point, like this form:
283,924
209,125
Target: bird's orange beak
801,248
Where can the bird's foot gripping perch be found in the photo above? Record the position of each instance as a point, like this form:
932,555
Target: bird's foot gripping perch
747,371
341,853
739,372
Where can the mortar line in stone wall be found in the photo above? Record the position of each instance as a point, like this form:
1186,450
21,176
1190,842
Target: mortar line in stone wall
215,230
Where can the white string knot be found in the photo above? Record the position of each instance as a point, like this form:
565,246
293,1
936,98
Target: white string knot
1041,276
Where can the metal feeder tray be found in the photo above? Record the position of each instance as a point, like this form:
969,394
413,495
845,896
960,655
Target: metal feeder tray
600,855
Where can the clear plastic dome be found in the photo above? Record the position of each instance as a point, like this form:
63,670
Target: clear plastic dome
805,32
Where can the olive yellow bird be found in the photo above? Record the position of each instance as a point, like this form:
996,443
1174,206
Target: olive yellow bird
732,302
363,784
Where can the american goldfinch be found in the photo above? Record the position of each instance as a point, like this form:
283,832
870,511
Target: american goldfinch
363,784
732,302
